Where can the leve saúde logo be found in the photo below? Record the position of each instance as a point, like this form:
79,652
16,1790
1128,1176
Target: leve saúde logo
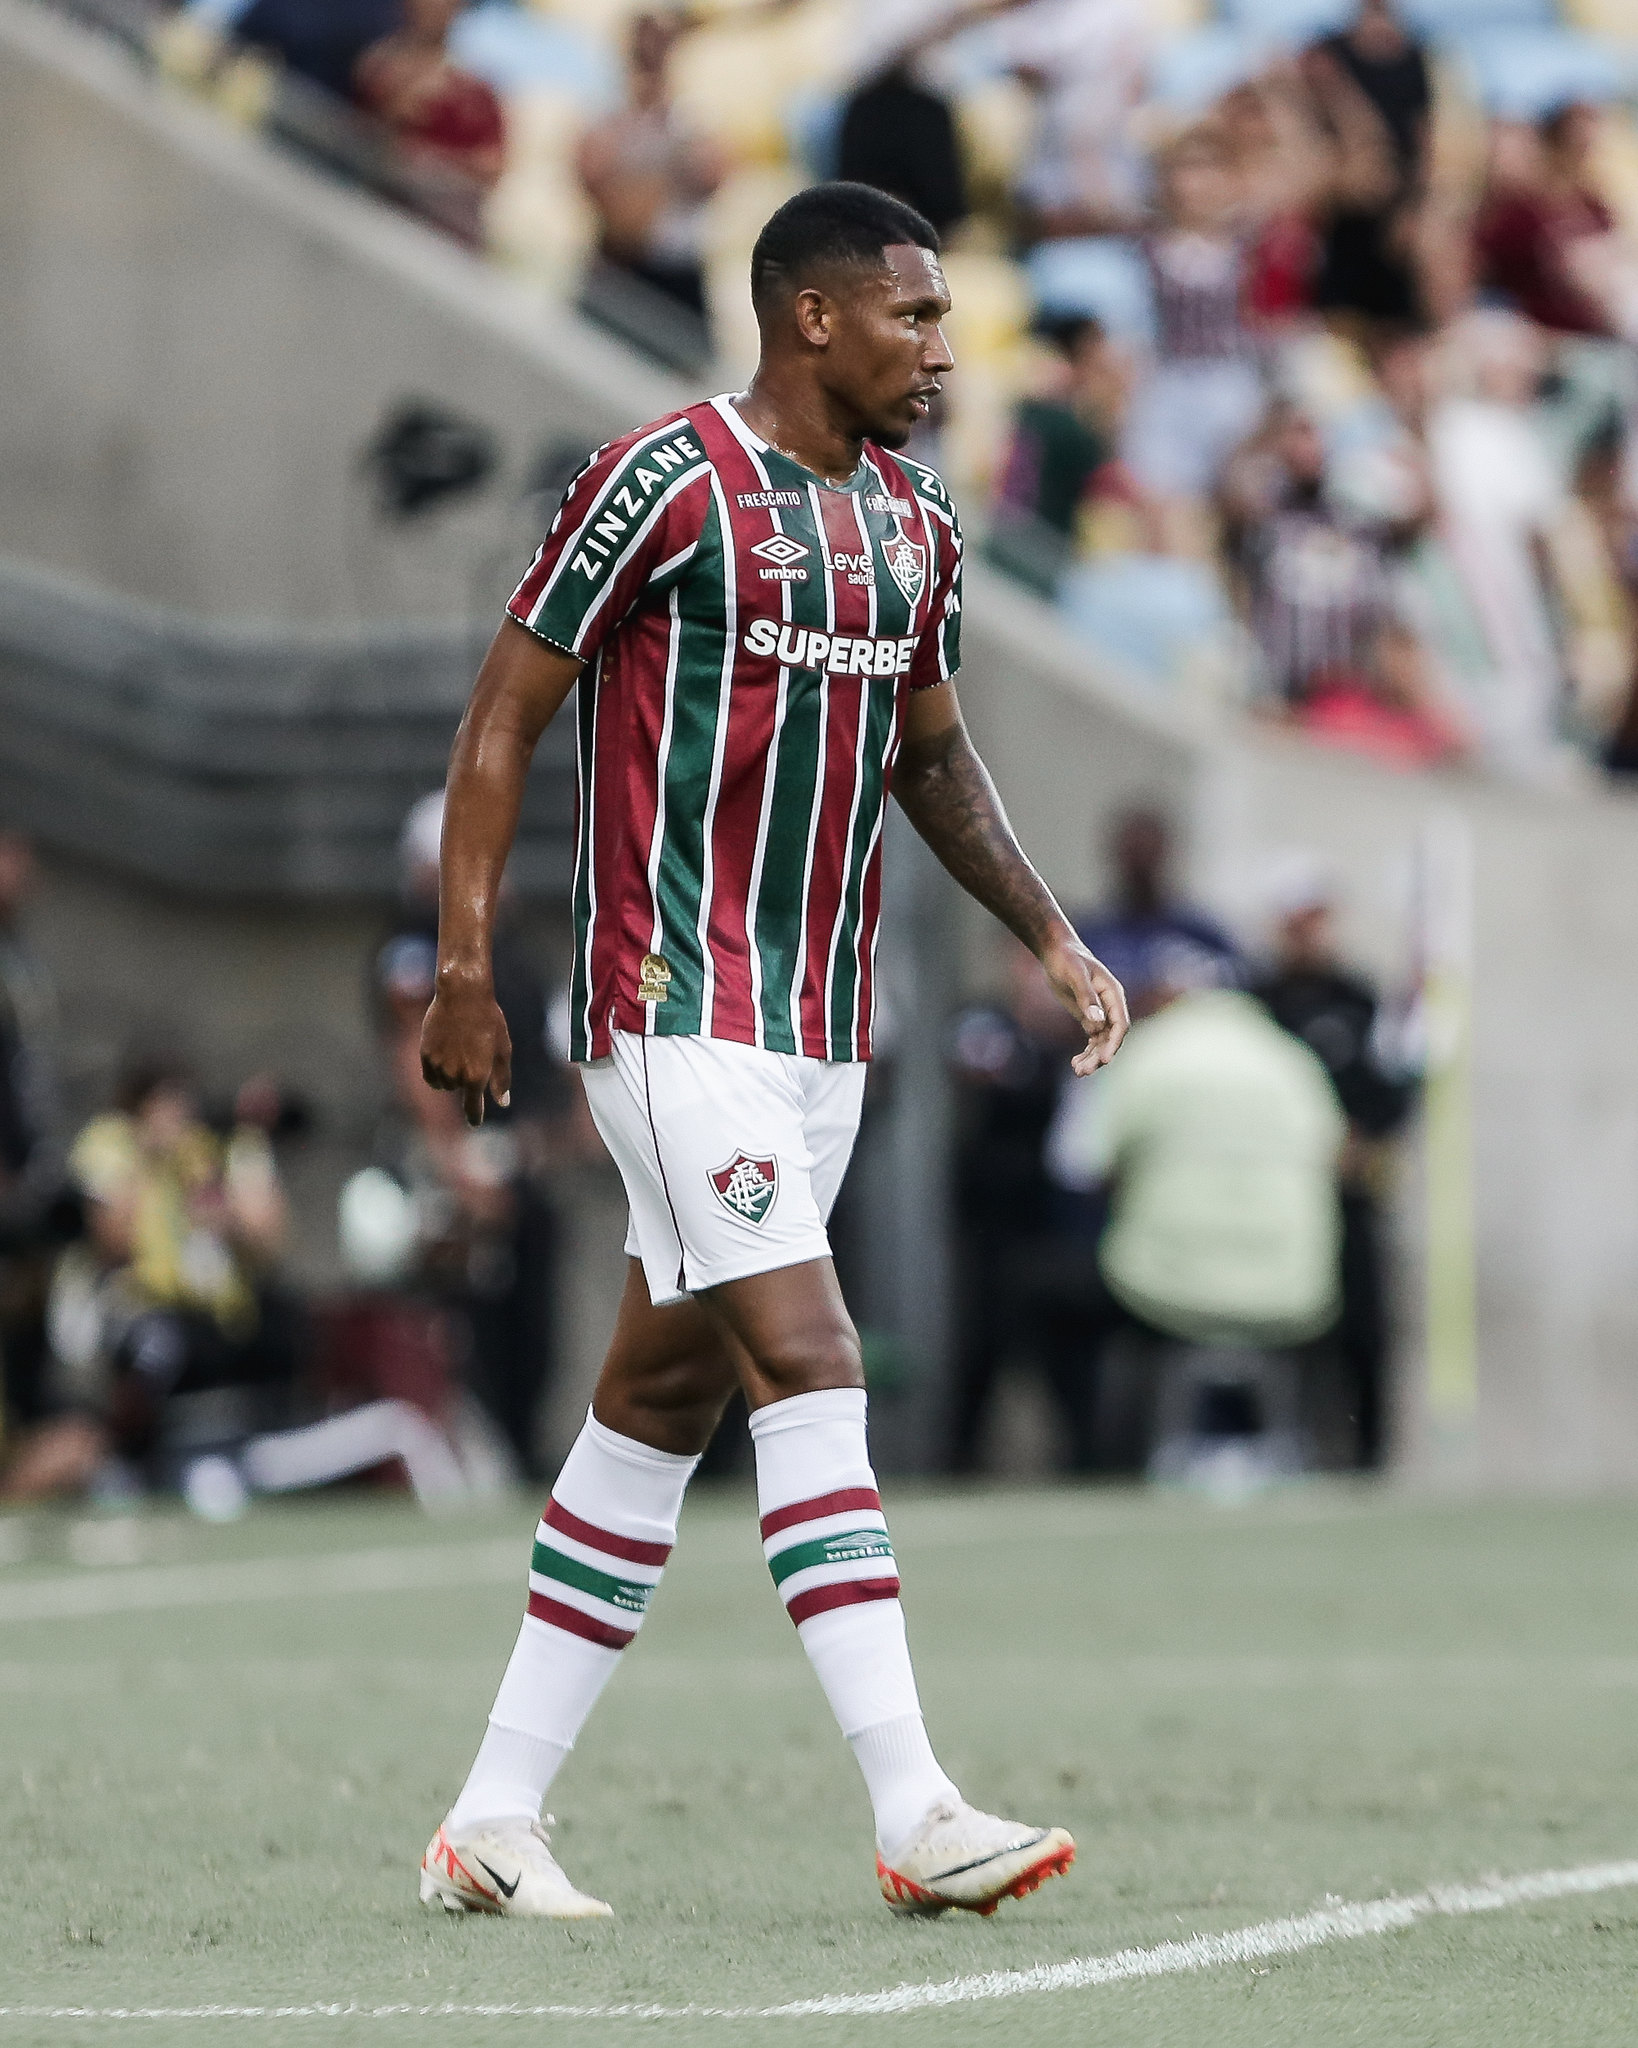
745,1186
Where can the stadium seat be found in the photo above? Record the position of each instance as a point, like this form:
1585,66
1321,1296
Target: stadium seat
1522,73
538,220
736,79
736,214
1100,275
1441,19
1188,74
518,50
987,330
813,130
1286,23
1150,613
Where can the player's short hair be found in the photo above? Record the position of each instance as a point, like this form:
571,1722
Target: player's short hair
828,226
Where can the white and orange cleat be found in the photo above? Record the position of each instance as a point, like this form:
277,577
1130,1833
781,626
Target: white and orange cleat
506,1867
971,1860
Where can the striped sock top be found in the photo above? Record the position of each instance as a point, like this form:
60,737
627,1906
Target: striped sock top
830,1551
590,1581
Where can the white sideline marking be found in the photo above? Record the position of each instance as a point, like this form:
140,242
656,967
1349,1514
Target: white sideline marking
1328,1923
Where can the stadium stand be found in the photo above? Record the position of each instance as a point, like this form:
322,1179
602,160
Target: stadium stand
762,88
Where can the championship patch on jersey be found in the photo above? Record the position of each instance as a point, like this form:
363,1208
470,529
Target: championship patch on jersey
907,565
745,1186
654,979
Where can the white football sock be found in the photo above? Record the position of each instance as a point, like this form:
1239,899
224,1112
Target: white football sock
826,1543
599,1551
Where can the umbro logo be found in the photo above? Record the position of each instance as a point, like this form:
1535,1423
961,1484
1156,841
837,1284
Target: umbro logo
783,553
780,549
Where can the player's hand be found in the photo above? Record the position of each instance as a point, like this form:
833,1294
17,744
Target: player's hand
466,1047
1092,996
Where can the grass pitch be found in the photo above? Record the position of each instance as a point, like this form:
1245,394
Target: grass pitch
222,1750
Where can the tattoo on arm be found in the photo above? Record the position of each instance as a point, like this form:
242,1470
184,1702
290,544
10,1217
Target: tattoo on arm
945,791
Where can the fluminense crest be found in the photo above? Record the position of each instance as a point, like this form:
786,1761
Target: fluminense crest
907,565
745,1186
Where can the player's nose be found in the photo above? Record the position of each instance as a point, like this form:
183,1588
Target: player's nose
937,358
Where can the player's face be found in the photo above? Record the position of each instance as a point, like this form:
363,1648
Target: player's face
887,351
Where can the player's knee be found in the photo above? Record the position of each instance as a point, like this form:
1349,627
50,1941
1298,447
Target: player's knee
807,1362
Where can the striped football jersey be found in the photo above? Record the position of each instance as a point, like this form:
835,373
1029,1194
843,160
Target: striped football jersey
750,636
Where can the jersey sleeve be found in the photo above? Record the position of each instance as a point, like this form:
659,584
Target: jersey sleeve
938,650
629,523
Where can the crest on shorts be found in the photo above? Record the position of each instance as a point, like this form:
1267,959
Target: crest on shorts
907,565
745,1186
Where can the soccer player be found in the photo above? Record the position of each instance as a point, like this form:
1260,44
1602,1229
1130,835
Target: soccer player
762,608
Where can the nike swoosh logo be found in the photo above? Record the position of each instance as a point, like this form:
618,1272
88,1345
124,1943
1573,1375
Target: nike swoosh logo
506,1889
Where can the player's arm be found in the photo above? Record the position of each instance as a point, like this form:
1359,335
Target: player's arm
945,791
520,689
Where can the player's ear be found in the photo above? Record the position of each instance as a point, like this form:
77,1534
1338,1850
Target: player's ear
814,314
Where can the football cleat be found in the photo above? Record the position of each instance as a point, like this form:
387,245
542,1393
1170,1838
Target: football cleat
503,1866
961,1857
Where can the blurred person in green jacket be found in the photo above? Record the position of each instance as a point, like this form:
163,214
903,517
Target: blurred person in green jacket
1218,1136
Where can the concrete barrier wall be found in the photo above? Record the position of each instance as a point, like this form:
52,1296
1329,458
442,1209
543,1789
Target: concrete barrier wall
195,339
1551,1072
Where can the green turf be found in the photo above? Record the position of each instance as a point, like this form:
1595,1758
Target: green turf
1238,1713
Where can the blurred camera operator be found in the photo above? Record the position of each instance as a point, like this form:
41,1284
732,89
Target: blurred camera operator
1333,1010
170,1293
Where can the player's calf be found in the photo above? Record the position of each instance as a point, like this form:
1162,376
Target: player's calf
826,1542
599,1550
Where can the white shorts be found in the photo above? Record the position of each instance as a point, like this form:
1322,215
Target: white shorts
731,1157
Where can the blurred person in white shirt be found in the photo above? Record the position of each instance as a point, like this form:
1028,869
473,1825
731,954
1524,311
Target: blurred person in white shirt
1087,64
1500,493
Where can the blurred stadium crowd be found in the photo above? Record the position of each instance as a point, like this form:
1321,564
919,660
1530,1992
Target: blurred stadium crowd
1295,341
1183,1250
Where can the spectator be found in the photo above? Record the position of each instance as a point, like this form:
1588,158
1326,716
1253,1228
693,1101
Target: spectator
901,137
1320,599
897,129
490,1236
649,179
1606,488
1501,495
1542,227
33,1214
171,1293
1023,1259
322,40
1203,393
1333,1010
1086,62
1286,166
1062,452
1374,75
1217,1137
1146,915
1549,246
448,123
